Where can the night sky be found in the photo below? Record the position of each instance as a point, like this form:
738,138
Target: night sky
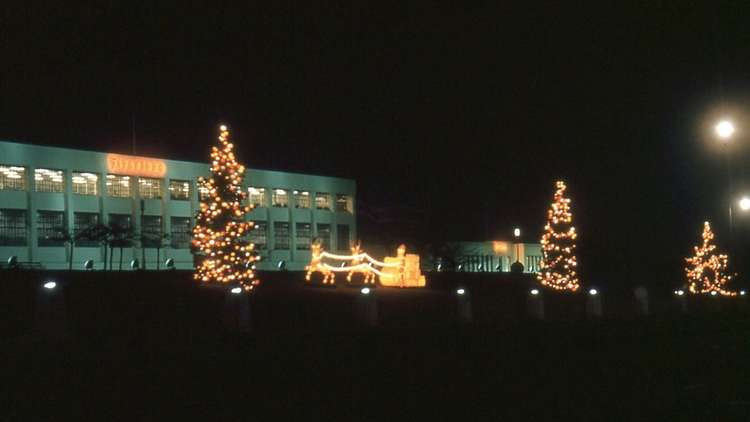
465,115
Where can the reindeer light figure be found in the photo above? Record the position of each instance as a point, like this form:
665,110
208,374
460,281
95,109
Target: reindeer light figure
358,261
316,265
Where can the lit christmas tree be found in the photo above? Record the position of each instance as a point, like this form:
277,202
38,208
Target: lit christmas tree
220,227
558,267
706,271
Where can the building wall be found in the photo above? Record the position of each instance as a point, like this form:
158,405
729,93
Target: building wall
34,157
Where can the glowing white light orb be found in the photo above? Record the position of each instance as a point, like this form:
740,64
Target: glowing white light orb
365,291
534,292
742,293
593,292
50,285
517,232
745,203
236,290
724,129
223,128
679,292
714,293
460,291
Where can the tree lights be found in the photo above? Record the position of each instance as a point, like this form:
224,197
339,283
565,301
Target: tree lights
706,271
220,229
559,264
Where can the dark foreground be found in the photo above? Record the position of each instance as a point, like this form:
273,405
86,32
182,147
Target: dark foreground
144,352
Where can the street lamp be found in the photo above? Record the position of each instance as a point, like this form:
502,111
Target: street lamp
744,203
725,129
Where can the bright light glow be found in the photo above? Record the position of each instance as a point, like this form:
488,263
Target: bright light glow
558,267
745,203
517,232
461,291
714,293
534,292
679,292
593,292
50,285
223,128
236,290
743,293
706,271
724,129
365,291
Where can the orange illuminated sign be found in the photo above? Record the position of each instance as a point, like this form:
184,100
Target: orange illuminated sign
136,166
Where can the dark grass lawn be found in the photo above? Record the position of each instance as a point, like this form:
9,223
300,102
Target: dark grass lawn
137,351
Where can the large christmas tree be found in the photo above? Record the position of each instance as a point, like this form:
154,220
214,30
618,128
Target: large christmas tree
558,267
707,271
219,235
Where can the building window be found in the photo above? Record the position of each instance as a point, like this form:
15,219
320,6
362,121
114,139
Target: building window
13,229
281,235
149,188
118,186
301,199
12,178
181,233
49,227
257,196
259,234
151,231
533,264
120,221
342,237
304,235
81,222
179,190
344,203
324,236
323,201
85,183
280,198
46,180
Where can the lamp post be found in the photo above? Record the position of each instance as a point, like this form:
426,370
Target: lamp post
517,235
725,130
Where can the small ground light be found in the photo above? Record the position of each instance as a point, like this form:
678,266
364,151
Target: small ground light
50,285
743,293
365,291
714,293
460,291
236,290
679,292
593,292
534,292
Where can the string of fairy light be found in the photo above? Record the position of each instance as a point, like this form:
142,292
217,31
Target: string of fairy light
559,264
357,265
707,271
220,226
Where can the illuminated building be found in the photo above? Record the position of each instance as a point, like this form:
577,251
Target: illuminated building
44,188
486,256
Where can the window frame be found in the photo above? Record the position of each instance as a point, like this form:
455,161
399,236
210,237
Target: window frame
73,185
49,186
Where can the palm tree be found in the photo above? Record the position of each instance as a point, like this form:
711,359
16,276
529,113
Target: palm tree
102,234
121,237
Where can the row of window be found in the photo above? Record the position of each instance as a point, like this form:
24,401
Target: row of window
303,238
280,198
491,263
51,226
51,229
86,183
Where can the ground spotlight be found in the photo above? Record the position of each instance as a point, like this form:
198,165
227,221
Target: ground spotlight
460,292
534,292
88,264
679,292
134,264
50,285
365,291
281,265
713,293
236,290
743,293
169,263
593,292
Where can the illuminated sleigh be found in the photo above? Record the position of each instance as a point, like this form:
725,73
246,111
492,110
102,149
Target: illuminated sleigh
399,271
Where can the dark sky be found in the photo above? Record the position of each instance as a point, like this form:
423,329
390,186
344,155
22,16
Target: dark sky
469,112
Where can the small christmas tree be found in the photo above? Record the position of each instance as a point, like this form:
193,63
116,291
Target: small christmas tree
706,271
558,267
220,228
